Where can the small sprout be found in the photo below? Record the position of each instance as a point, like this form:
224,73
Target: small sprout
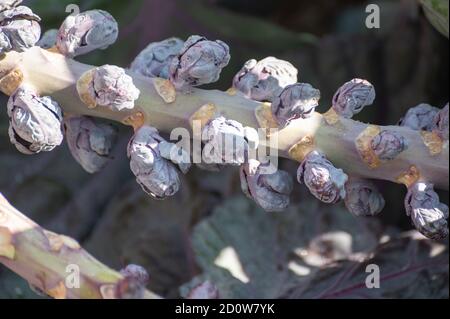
325,182
441,123
35,122
427,213
264,80
85,32
8,4
90,142
227,142
108,86
295,101
154,60
363,198
136,272
48,39
352,97
205,290
420,117
19,29
200,61
387,145
157,176
269,190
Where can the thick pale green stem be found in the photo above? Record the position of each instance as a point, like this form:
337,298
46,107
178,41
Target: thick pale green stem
53,74
51,262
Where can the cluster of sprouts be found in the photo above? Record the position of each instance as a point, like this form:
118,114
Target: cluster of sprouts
38,123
